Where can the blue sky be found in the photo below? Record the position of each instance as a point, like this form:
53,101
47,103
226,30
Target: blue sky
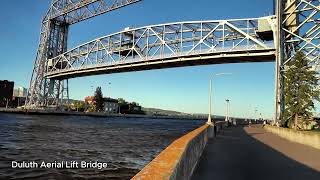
182,89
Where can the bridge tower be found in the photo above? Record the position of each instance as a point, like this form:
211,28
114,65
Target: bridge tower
298,30
53,41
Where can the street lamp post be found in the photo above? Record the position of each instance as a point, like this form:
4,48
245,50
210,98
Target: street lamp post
227,110
255,114
92,88
109,84
210,97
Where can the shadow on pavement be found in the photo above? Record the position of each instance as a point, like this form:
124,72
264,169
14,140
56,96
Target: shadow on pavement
234,154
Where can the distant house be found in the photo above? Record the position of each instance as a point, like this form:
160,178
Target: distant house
135,108
111,105
19,97
131,108
89,100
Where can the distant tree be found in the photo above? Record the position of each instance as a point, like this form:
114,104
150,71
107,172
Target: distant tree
91,108
79,105
300,90
98,98
135,104
121,101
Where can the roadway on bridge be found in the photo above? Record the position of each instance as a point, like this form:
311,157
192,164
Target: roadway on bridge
252,153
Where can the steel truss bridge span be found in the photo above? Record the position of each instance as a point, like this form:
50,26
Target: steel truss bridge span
169,45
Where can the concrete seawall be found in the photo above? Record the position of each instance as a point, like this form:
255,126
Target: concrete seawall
308,138
180,158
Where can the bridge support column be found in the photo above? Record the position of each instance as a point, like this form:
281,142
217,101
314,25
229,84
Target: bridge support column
45,92
56,90
279,64
298,30
53,42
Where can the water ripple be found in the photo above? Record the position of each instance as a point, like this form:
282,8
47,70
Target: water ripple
127,145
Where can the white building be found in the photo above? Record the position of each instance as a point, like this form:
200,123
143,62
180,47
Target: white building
20,92
111,105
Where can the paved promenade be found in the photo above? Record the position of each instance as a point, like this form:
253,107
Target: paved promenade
251,153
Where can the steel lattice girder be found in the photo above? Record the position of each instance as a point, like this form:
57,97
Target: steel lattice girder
53,41
73,11
299,30
181,44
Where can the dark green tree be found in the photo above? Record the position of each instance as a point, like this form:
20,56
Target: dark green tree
98,98
121,101
300,90
135,104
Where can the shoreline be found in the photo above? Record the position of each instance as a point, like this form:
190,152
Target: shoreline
92,114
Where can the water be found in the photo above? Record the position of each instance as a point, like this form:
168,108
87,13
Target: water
126,144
